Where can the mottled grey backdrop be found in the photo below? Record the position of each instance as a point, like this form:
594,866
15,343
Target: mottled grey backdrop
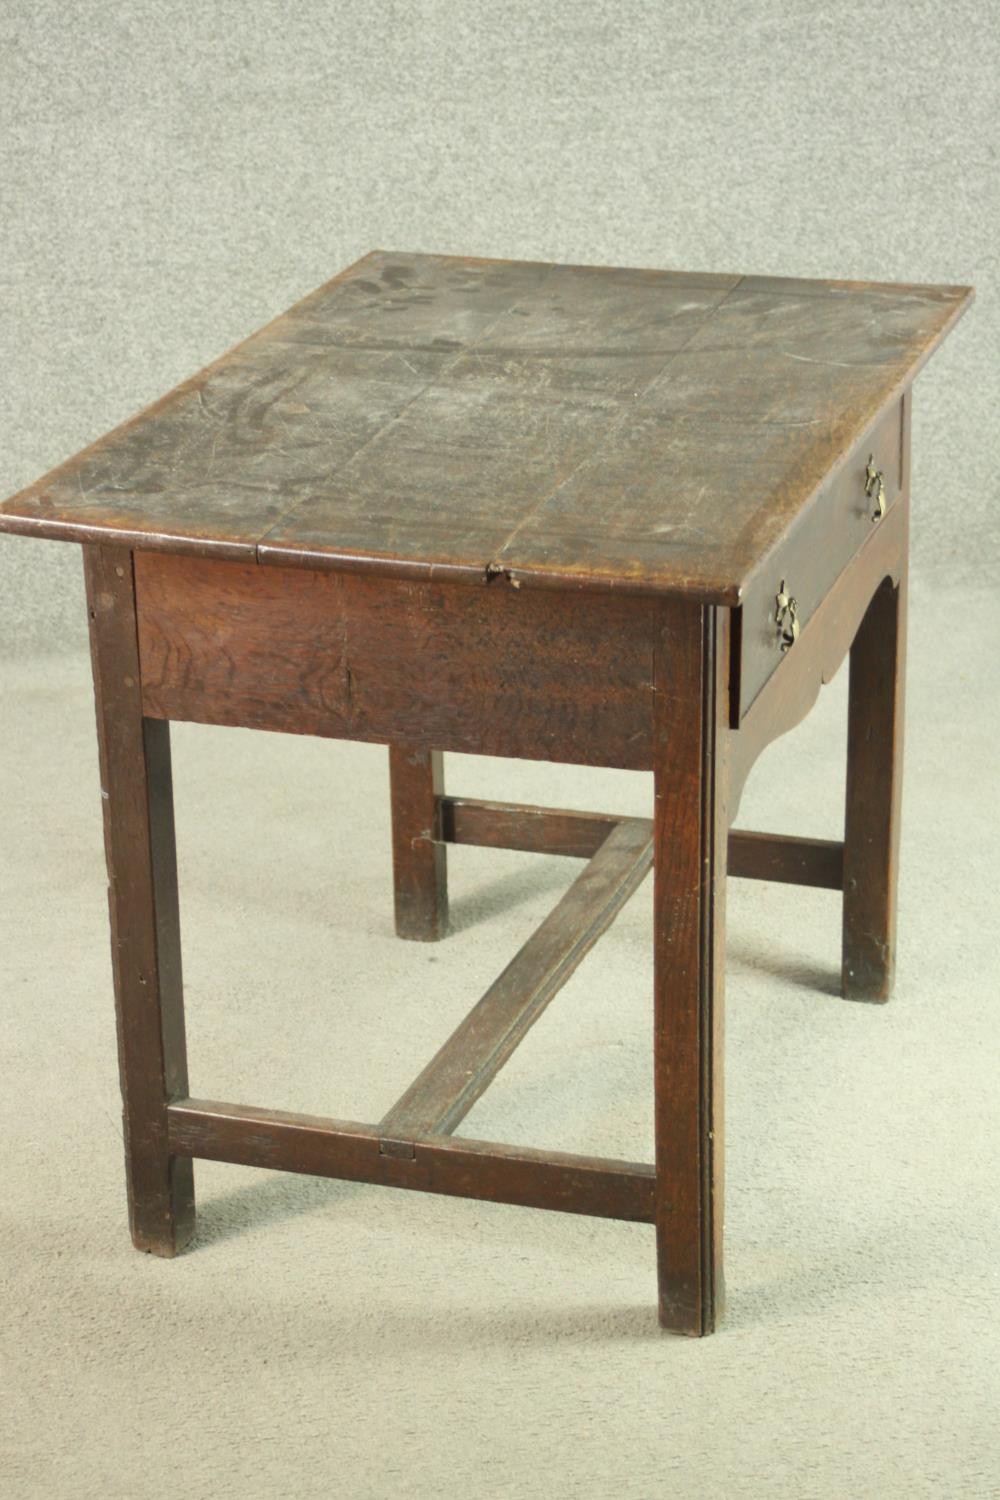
172,175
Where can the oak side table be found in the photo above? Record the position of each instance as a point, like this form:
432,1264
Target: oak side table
608,517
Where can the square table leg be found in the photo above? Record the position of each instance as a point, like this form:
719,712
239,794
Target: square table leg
690,840
419,858
874,794
137,796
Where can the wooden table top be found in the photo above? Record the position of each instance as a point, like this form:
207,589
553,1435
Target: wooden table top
438,416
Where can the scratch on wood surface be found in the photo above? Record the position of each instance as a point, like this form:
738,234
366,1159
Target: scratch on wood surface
834,364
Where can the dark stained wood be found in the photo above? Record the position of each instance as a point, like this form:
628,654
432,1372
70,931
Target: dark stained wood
583,427
874,792
818,547
137,800
875,776
535,830
557,830
790,693
419,856
435,666
787,860
691,822
440,1098
462,1168
375,520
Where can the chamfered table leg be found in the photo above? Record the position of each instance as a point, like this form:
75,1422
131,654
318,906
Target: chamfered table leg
874,788
419,858
137,797
690,838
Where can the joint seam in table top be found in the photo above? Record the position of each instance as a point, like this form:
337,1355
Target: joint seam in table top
617,421
375,437
493,564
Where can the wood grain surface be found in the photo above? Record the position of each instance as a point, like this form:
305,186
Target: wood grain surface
691,820
494,671
419,856
546,424
817,655
817,548
281,1141
558,830
874,794
137,801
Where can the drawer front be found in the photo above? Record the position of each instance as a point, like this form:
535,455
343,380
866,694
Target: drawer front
816,551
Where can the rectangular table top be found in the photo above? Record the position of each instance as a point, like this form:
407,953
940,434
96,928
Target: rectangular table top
439,416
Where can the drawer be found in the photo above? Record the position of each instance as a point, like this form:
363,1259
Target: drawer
823,540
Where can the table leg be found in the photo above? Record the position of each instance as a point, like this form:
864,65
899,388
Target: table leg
874,785
690,839
142,897
419,857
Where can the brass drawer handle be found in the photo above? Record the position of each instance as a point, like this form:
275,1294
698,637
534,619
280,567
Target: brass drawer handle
875,487
786,616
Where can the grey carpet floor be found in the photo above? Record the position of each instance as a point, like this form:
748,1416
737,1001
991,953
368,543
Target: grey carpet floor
327,1339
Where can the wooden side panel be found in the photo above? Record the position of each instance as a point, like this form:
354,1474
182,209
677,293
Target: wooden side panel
490,669
825,538
790,693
